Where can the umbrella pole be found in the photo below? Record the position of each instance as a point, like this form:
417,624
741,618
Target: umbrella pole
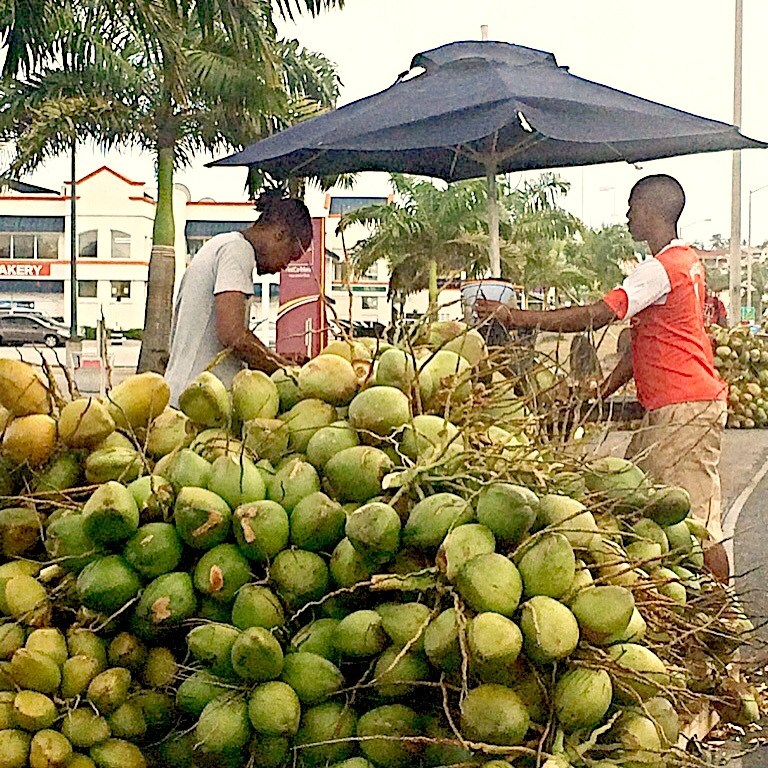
493,220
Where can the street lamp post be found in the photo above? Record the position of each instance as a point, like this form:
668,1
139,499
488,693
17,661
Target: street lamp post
692,223
749,243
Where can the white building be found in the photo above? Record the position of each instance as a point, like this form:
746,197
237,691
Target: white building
114,218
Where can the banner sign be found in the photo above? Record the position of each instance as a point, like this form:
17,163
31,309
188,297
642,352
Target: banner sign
302,329
25,269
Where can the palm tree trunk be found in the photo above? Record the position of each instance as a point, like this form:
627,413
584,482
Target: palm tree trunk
434,291
162,269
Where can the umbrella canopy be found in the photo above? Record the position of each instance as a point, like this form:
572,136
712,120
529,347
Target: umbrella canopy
480,108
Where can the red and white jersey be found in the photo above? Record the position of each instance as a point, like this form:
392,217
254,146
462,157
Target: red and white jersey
671,352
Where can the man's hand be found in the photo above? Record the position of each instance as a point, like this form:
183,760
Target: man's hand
487,308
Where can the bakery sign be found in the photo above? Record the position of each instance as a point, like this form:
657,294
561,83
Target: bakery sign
24,269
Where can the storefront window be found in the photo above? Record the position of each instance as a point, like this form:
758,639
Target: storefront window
5,246
88,244
23,246
121,245
370,302
47,246
274,295
86,289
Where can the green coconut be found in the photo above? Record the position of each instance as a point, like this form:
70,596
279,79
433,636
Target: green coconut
508,510
166,602
84,642
169,431
494,714
451,373
568,516
84,728
285,379
615,478
431,519
127,721
356,473
330,727
139,399
470,345
306,418
293,480
613,562
330,440
317,523
256,655
351,350
669,584
211,645
312,676
160,669
390,721
65,470
49,641
494,643
34,671
347,565
109,689
266,438
634,632
154,496
547,565
680,539
84,423
317,638
582,698
199,689
603,610
14,748
126,650
154,549
441,641
396,671
202,518
274,709
206,401
490,582
19,530
379,412
33,711
396,368
183,468
668,506
360,635
330,378
11,639
665,717
118,464
236,480
550,630
648,531
429,438
223,727
638,673
221,572
49,748
374,531
214,442
441,332
261,529
257,606
639,739
110,514
405,623
107,584
254,395
299,576
462,544
25,598
76,675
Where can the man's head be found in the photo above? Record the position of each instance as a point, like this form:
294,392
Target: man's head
282,234
655,205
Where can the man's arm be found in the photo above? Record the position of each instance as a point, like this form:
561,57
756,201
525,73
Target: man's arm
618,377
565,320
232,334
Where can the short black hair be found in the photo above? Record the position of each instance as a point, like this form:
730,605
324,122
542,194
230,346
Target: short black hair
289,212
667,194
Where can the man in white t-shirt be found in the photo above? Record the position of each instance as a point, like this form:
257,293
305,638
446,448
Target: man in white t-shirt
209,315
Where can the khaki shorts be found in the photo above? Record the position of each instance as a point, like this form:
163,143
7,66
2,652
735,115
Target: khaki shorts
680,445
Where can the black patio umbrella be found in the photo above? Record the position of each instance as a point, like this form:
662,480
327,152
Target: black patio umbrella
471,109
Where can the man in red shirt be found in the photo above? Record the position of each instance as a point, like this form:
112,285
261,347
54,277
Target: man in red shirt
670,357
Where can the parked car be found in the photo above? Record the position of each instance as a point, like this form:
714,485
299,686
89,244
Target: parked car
17,329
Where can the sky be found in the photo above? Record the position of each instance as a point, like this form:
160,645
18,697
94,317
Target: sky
677,52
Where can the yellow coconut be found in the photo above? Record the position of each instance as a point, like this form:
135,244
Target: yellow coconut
85,422
139,399
22,391
30,439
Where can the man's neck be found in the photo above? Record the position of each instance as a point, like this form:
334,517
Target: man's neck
659,241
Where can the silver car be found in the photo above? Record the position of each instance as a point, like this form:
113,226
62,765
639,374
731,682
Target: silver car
17,329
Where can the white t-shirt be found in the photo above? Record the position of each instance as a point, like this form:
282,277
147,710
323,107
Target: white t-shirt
647,284
225,263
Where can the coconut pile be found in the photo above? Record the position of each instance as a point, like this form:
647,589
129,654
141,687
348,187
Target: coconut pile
366,562
741,359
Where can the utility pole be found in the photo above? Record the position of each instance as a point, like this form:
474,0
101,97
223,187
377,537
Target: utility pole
735,251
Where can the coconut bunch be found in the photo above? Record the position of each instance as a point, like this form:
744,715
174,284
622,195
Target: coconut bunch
370,560
741,360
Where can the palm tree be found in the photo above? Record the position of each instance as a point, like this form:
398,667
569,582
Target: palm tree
208,81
